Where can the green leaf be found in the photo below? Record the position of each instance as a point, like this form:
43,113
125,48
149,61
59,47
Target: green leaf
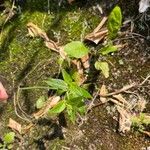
66,76
79,91
76,77
71,113
103,66
76,49
108,49
57,84
82,110
9,138
40,102
75,101
114,22
58,108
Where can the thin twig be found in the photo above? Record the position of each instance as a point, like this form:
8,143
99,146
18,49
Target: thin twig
125,88
145,80
92,103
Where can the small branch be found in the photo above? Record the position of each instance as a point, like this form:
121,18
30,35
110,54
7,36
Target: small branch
145,80
92,103
125,88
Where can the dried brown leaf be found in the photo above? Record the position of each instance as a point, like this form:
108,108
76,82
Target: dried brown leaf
51,102
79,67
121,99
99,33
14,125
98,36
52,45
124,120
85,61
35,31
103,21
62,53
103,90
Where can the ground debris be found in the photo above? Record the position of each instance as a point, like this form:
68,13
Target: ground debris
35,31
51,102
124,120
14,125
99,33
126,109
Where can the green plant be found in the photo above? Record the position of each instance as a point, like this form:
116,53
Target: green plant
114,22
7,141
73,96
140,121
113,26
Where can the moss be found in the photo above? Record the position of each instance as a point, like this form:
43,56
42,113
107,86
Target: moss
77,24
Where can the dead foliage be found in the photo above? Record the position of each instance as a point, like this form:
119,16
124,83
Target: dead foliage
50,103
124,107
99,33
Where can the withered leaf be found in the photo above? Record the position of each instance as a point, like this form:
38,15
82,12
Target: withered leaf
34,31
121,99
124,120
85,61
103,91
99,33
14,125
51,102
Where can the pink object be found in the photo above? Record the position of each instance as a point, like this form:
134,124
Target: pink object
3,93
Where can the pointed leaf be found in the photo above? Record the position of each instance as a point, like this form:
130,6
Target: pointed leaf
79,91
58,108
71,113
108,49
57,84
114,22
66,76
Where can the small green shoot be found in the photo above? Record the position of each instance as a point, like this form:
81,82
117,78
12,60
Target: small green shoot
114,22
7,141
140,120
